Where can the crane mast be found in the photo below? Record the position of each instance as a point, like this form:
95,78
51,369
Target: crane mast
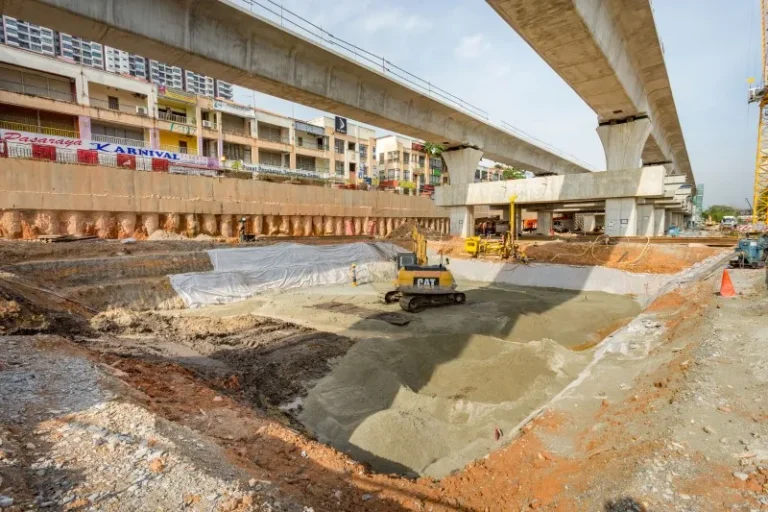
758,95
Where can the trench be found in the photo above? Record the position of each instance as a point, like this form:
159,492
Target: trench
411,394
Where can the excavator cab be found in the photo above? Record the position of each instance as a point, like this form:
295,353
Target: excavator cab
419,285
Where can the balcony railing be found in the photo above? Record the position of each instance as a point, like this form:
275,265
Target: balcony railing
32,90
274,138
309,144
175,149
173,118
234,130
120,141
117,107
21,127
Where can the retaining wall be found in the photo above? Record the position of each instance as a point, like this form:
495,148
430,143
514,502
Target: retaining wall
48,198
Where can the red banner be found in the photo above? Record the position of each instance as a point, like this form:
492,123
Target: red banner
160,165
43,152
89,157
126,161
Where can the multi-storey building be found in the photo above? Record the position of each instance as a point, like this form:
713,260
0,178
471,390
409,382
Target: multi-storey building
224,90
196,83
87,53
28,36
71,101
165,75
403,163
117,61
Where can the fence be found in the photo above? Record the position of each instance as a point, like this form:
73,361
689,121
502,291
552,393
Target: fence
147,163
44,130
119,140
33,90
173,118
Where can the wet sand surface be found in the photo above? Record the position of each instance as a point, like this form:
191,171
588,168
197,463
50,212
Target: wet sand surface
428,397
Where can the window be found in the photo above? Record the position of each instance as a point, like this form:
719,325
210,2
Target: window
435,163
340,166
381,158
114,103
363,151
406,158
421,161
351,146
406,175
339,145
434,180
182,146
393,174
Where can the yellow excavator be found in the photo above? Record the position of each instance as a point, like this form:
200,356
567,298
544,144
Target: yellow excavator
419,285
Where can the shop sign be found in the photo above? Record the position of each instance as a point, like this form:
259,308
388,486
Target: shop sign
234,109
415,146
104,147
341,125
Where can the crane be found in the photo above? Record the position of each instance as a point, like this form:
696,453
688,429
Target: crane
758,95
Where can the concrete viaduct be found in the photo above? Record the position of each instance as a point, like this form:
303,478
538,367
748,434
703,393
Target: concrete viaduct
609,52
221,39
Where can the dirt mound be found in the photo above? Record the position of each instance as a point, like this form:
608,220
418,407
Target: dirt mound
27,310
272,361
632,257
406,229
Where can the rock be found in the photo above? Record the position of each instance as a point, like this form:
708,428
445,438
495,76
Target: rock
708,430
217,399
5,501
212,497
252,482
30,446
741,476
367,497
304,454
337,494
684,497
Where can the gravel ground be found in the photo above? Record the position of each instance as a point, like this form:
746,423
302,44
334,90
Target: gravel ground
67,442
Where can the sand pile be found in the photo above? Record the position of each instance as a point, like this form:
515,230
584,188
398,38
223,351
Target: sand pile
430,405
165,235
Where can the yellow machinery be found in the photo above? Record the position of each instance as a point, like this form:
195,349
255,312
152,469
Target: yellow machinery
418,285
504,248
758,95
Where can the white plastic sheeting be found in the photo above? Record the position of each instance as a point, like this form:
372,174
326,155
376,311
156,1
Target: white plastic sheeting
241,273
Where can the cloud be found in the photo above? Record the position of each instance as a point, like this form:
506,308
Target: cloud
471,47
394,19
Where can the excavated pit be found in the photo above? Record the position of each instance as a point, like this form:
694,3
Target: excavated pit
410,394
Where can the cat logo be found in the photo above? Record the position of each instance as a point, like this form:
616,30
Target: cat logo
425,282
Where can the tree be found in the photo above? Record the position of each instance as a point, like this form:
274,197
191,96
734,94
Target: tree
511,173
432,149
718,211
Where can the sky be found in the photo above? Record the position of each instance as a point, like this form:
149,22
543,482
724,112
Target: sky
711,47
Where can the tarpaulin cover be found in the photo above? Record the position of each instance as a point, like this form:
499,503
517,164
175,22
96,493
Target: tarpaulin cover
241,273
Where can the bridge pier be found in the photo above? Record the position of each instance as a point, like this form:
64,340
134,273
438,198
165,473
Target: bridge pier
462,164
623,143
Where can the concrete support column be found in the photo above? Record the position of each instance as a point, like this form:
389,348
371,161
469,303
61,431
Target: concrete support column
659,221
81,90
543,222
621,217
645,220
590,223
462,165
84,127
623,143
154,138
462,221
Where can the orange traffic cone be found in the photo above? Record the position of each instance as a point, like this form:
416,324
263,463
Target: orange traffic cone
726,286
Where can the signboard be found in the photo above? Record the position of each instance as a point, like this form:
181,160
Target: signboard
177,94
309,128
283,171
234,109
341,125
415,146
12,136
